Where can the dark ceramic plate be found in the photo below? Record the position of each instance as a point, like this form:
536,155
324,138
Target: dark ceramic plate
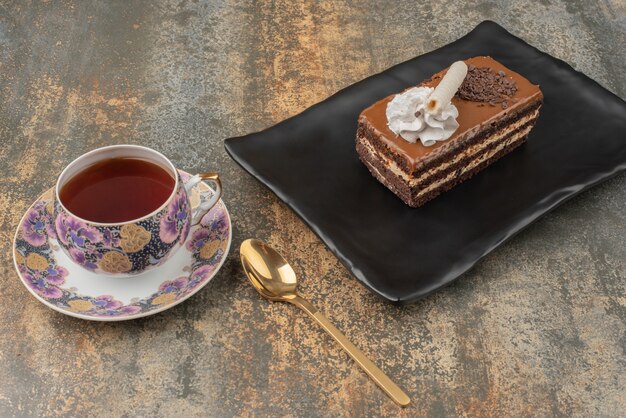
403,254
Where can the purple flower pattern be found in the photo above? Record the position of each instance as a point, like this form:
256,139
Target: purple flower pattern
213,228
175,222
45,282
37,225
106,305
199,275
110,238
85,258
217,224
176,285
198,239
72,231
80,239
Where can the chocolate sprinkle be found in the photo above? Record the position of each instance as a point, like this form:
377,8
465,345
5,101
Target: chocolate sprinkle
485,85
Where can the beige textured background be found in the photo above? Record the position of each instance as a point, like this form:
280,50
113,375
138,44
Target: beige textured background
537,328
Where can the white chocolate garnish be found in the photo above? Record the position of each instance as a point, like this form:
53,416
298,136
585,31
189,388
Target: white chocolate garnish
447,87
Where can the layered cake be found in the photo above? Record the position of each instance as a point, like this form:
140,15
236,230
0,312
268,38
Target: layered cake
427,139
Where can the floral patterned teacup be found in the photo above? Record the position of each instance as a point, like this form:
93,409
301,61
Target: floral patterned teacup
134,246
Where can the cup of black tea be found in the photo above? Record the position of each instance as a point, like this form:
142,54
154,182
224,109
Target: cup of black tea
124,209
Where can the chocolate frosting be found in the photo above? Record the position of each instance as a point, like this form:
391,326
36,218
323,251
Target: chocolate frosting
472,114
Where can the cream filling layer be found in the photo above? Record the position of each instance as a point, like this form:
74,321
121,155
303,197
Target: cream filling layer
450,176
474,162
471,151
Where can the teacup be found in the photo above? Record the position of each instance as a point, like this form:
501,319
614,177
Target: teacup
132,246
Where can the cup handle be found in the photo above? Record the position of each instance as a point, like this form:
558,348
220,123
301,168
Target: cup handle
207,199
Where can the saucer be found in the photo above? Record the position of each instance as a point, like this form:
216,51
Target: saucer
57,282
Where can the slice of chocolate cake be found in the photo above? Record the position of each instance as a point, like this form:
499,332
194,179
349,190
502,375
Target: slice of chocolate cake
418,151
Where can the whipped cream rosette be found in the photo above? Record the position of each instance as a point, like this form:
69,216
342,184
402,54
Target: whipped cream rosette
425,113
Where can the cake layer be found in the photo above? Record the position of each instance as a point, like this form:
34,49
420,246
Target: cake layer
475,148
430,194
415,198
417,191
471,165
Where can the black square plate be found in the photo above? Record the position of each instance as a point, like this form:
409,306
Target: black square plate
403,254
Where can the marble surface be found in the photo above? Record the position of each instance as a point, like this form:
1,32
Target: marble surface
538,328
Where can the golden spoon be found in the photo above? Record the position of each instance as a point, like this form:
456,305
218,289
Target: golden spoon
275,280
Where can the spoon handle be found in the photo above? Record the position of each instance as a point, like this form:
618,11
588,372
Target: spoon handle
381,379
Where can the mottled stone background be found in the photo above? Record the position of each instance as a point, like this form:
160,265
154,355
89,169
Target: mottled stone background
537,328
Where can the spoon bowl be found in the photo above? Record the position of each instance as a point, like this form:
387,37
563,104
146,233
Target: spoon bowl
268,271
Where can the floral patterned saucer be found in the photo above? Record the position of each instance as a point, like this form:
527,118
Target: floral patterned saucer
56,281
